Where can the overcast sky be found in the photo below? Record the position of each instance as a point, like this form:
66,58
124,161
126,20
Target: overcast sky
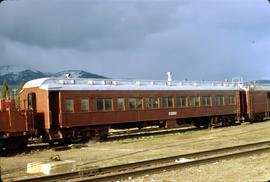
142,39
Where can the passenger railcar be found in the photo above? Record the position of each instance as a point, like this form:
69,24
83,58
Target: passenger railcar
257,102
81,108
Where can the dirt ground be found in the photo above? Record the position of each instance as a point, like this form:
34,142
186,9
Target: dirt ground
253,168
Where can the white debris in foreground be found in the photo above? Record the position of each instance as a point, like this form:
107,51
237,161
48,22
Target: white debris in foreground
51,167
182,160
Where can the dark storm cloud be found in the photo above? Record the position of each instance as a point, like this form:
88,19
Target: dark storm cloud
195,39
90,24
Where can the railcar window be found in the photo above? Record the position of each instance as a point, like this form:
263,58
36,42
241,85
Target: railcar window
205,101
170,102
120,104
155,102
232,99
219,100
69,105
132,103
166,102
139,103
108,104
100,106
85,105
151,103
30,101
181,101
148,103
194,101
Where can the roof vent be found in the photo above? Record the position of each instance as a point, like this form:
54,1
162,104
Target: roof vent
195,84
137,83
169,74
91,82
67,75
72,81
108,82
115,83
63,82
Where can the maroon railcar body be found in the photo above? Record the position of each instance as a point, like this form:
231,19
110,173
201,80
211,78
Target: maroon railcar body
257,102
48,98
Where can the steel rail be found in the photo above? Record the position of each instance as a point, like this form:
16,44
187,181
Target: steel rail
168,167
150,129
111,138
140,134
143,167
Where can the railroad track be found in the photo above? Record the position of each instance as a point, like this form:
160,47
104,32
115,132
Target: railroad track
136,169
115,136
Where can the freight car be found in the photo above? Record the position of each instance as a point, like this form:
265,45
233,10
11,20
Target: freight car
78,109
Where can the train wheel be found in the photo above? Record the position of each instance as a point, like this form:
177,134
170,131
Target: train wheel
224,122
162,124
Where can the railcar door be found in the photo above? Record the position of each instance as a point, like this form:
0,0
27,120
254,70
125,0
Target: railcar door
54,109
268,102
243,103
32,106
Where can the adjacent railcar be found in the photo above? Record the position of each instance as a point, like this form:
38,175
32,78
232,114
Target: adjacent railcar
257,102
77,109
15,126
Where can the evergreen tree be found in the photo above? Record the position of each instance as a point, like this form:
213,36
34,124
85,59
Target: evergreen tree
17,97
5,90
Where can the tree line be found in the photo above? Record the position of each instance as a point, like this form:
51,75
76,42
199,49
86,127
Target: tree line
6,93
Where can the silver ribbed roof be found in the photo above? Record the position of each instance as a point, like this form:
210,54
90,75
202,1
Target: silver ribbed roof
114,84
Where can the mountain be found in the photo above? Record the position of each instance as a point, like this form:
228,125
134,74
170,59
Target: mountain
18,74
77,74
265,82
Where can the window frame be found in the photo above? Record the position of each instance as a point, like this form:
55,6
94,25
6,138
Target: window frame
122,99
70,107
179,102
100,102
231,101
166,102
132,103
139,103
206,101
218,99
105,102
196,102
155,102
152,103
87,105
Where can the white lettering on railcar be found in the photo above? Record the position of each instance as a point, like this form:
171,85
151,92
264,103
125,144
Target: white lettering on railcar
172,113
